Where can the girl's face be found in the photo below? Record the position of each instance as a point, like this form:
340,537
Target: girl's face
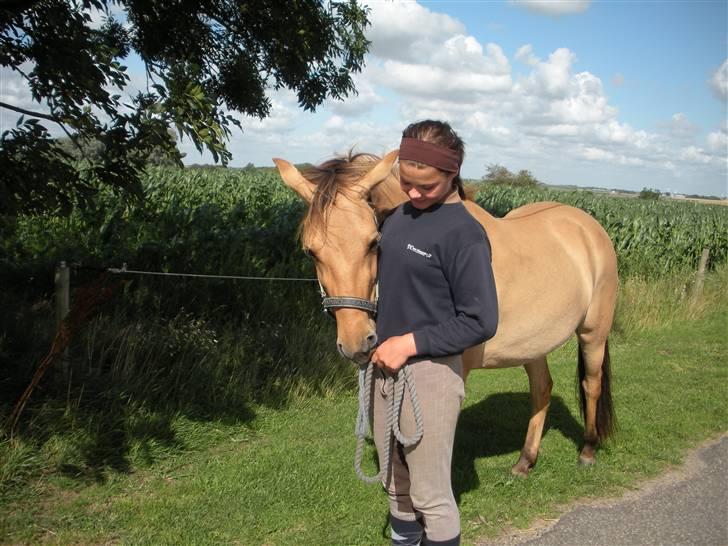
425,185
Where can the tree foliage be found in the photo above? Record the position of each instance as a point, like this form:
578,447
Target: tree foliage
649,193
498,174
204,61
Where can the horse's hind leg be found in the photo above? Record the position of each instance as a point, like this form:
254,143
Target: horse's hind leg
540,383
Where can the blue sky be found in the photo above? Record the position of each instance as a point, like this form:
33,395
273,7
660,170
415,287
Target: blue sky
616,94
612,94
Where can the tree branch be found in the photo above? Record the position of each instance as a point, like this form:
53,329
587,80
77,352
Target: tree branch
49,118
29,113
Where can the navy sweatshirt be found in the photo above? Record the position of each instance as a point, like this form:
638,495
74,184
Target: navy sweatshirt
436,280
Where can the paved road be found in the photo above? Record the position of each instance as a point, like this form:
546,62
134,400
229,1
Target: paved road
686,507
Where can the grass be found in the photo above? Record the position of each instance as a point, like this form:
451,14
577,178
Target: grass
657,302
283,474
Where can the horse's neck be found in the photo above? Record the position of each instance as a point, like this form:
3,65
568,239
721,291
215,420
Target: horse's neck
387,195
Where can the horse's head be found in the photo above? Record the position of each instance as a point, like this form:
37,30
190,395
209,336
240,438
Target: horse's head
340,233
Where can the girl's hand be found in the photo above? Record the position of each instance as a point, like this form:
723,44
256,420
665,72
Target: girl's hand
393,353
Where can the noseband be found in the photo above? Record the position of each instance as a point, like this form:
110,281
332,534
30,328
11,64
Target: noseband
348,302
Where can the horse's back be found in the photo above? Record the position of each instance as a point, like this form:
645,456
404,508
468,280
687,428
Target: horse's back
531,208
567,225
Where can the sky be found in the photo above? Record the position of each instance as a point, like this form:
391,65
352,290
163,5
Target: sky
614,93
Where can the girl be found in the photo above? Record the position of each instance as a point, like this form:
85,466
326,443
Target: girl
437,298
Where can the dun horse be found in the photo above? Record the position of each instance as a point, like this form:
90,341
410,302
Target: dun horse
555,273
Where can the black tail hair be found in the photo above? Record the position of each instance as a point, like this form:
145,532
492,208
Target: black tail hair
606,419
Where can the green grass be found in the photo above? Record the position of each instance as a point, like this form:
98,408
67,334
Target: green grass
285,476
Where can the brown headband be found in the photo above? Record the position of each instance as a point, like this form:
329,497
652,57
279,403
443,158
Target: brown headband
440,157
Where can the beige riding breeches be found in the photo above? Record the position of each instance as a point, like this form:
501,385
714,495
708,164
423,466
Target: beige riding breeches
419,482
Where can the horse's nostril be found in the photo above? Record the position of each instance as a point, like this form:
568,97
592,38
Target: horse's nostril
372,339
340,348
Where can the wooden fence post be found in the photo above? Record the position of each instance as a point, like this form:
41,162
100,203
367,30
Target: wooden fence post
63,305
700,277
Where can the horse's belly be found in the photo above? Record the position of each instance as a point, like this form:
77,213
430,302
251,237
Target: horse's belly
525,334
504,353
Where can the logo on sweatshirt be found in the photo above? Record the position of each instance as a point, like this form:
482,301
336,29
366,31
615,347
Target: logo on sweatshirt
418,251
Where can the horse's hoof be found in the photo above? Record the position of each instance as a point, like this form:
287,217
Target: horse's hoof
521,468
587,455
585,460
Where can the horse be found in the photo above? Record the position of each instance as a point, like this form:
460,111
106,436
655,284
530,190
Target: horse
555,273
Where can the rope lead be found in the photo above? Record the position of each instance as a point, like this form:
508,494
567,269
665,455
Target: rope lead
398,384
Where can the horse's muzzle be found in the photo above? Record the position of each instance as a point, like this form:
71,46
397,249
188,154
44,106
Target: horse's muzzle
361,354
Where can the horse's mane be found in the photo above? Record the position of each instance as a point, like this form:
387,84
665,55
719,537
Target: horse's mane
332,177
336,176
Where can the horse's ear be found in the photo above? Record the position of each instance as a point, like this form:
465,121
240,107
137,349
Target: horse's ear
294,179
380,171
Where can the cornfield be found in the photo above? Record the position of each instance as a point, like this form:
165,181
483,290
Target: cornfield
245,221
651,237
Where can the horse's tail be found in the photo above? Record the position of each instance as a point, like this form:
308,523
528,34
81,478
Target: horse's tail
605,418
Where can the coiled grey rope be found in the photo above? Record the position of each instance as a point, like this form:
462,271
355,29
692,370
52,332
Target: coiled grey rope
392,429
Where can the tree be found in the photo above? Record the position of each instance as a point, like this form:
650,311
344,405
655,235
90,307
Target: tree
649,193
165,154
498,174
204,61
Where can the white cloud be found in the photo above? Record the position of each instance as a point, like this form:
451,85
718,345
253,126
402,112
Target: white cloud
339,135
14,89
420,53
592,154
719,81
550,77
525,55
553,7
718,142
623,135
407,31
680,127
464,53
359,104
428,81
284,113
487,127
585,102
694,154
551,98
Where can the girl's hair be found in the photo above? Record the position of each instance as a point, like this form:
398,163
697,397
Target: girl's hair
440,133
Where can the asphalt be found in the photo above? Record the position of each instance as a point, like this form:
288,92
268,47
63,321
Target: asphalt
687,506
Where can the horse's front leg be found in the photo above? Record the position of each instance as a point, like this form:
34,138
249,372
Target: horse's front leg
540,382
